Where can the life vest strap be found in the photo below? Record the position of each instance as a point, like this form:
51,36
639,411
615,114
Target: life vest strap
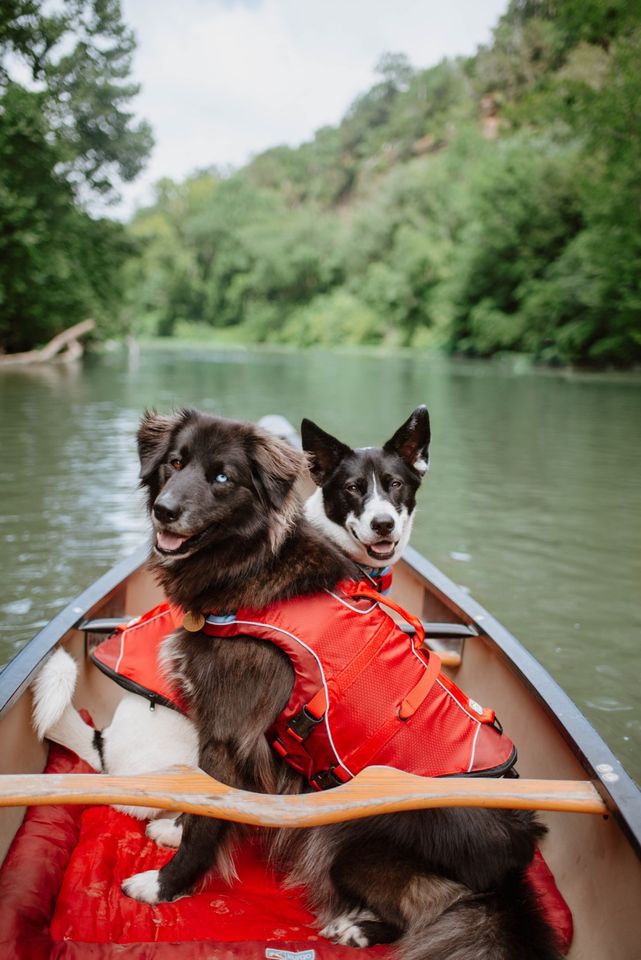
381,579
474,709
326,779
415,697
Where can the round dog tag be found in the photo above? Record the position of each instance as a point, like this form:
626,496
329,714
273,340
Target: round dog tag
194,622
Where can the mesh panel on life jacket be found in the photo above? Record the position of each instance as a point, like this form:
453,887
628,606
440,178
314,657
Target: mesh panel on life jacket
445,744
439,739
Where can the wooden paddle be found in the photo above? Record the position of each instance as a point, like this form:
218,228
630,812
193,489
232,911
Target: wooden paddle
375,790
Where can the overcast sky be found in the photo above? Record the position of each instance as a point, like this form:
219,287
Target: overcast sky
225,79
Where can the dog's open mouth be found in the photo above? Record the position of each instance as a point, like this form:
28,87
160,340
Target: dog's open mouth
169,543
178,544
383,550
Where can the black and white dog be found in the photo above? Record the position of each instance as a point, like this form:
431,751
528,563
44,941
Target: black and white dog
366,497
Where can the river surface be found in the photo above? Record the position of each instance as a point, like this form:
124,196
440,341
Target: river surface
533,500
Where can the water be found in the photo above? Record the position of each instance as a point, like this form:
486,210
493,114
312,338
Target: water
533,500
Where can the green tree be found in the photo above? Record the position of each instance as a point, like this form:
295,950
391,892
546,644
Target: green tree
65,137
524,209
417,221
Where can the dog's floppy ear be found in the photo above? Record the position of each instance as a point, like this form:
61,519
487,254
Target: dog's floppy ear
275,467
412,441
325,451
154,435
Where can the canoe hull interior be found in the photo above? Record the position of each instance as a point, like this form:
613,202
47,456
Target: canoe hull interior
594,861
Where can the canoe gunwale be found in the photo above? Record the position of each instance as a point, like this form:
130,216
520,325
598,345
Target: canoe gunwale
622,797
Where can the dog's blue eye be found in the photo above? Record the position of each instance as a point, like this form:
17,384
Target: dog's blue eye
222,478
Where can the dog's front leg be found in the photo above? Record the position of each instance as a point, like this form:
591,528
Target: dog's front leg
200,839
203,838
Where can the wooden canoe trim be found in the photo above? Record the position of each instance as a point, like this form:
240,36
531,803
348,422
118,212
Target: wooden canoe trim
375,790
448,658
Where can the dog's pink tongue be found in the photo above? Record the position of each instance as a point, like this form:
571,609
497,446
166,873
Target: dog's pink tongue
383,546
169,541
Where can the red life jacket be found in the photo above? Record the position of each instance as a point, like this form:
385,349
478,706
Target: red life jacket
367,693
364,692
130,656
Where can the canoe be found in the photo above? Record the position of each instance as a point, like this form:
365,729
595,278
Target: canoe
594,851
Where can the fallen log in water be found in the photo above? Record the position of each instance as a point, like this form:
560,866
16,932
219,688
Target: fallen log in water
67,341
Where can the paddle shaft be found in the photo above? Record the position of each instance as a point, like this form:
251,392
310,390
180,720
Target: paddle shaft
374,791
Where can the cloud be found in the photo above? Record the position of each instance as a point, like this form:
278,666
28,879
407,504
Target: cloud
225,79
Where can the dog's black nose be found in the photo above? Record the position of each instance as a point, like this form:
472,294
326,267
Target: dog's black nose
382,524
166,512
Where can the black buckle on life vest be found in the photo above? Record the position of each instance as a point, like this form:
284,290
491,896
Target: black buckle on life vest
325,779
302,725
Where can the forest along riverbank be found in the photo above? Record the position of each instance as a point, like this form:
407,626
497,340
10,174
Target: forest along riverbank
532,501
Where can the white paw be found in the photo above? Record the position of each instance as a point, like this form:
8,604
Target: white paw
165,831
346,929
142,886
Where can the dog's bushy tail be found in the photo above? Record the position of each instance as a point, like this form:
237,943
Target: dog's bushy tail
506,924
54,715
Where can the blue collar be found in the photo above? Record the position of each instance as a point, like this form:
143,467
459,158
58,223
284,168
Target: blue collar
381,578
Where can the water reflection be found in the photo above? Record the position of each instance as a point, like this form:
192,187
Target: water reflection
532,500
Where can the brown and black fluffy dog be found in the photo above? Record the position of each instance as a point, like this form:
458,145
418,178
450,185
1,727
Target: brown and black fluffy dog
229,532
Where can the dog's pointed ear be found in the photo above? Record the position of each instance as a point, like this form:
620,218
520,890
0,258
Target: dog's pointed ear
325,452
412,441
276,467
154,436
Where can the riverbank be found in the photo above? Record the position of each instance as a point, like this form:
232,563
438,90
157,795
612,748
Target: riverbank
194,335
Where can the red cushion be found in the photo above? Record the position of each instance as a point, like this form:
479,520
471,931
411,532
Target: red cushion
33,869
113,846
555,909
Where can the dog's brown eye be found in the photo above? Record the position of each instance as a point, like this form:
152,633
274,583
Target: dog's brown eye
351,488
395,484
176,463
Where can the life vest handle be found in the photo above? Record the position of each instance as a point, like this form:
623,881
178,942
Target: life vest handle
367,592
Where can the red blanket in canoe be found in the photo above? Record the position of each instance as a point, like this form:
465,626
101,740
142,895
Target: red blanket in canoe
60,897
